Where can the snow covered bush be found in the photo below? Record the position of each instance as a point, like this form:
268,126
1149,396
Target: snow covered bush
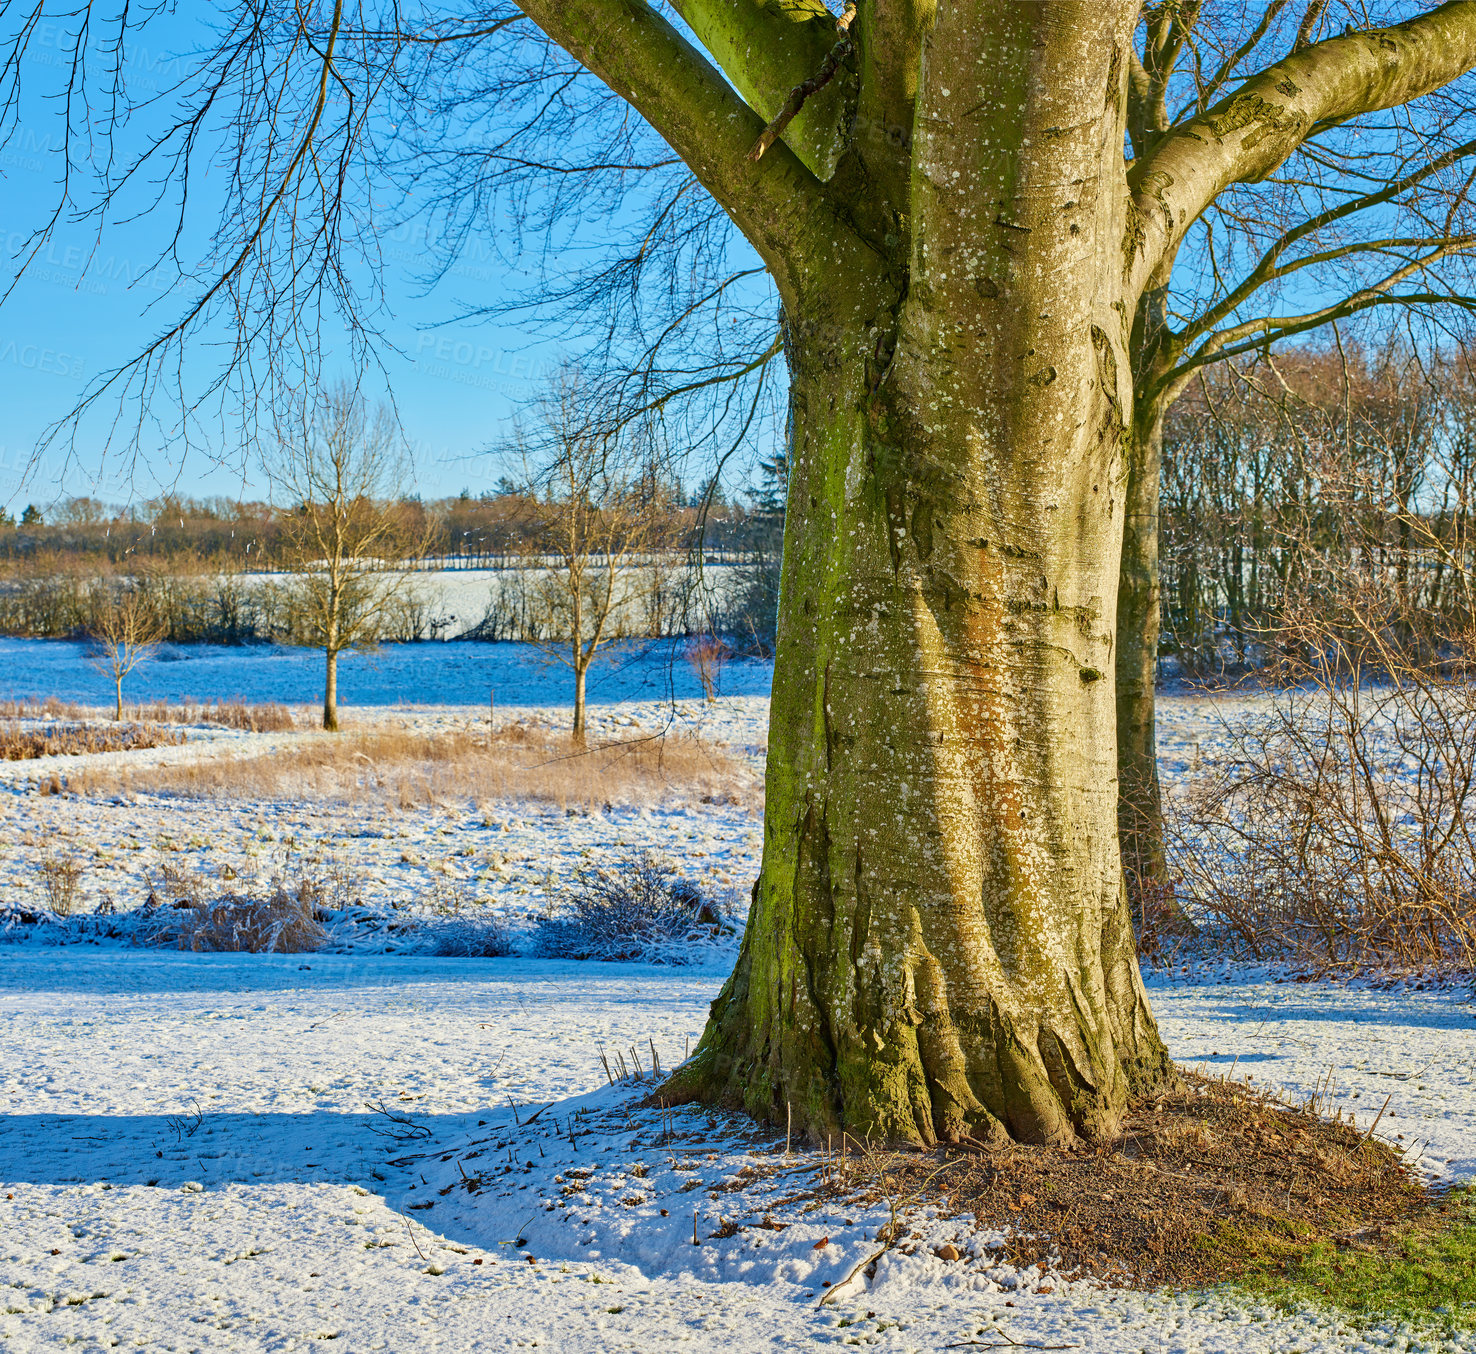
636,907
461,927
470,938
284,922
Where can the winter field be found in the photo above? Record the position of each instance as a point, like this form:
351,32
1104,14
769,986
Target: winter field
384,1149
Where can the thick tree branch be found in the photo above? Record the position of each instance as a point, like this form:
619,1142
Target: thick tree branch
1270,266
889,37
808,88
1310,19
778,204
767,50
1245,136
1167,29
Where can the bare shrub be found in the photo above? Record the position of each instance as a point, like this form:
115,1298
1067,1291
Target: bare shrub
68,740
1340,827
61,880
638,907
408,769
175,885
462,928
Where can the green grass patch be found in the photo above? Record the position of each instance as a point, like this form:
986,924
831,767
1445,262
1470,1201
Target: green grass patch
1424,1271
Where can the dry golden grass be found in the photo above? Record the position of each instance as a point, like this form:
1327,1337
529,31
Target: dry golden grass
267,717
50,708
284,923
408,769
65,739
262,718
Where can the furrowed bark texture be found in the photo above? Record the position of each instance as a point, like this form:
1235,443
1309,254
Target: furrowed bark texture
939,946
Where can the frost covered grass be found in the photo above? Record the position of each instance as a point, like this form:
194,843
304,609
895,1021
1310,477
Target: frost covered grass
407,767
452,845
635,907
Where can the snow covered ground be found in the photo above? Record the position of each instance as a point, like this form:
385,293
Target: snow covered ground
501,855
191,1162
255,1153
433,673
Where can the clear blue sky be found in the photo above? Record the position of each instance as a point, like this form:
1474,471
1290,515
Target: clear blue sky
70,319
86,305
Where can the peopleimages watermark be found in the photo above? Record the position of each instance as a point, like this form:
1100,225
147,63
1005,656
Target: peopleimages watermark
78,266
36,357
463,353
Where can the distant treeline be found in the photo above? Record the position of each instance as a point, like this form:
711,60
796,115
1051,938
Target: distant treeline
198,606
209,570
1347,462
1311,474
490,531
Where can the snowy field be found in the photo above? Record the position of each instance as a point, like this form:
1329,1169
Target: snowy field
391,1151
449,673
190,1162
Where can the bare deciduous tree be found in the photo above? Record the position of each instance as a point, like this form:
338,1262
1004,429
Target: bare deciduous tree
124,631
601,512
340,471
1338,821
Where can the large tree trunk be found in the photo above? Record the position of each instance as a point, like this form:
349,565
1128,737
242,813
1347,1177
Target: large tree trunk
1140,808
939,945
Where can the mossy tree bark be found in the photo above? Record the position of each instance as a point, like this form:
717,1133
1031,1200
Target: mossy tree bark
939,945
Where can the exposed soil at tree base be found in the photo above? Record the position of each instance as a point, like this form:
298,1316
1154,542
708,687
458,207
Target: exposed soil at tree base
1205,1182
